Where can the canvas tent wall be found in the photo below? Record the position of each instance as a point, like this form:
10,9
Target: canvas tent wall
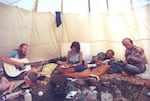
100,31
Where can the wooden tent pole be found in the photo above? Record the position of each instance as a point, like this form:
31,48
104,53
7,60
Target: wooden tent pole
131,2
36,5
107,4
89,6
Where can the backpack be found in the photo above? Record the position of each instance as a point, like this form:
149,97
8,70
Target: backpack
58,83
116,67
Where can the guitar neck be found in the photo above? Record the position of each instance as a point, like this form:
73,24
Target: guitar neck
14,71
36,63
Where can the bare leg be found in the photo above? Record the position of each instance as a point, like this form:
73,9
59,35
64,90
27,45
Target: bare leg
86,73
6,85
10,87
65,70
100,70
82,74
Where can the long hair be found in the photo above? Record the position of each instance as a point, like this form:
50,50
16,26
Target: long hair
20,53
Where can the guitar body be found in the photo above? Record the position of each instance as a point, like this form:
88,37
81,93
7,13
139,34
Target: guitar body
13,71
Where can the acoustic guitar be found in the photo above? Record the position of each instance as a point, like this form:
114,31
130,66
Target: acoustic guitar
14,71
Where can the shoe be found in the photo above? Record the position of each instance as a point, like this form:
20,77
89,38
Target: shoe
148,94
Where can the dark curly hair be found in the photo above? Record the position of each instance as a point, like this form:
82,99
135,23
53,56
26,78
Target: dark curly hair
76,45
110,50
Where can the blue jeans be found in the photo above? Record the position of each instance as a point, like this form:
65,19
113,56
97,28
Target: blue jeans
133,69
79,68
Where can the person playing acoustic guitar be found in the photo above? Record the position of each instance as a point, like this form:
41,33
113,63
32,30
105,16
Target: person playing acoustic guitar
135,58
11,58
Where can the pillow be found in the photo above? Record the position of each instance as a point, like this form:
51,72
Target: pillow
48,69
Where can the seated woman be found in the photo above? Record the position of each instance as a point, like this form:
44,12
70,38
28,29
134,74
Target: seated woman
101,68
6,86
74,61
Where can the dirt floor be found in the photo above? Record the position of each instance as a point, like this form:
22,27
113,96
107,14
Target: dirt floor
122,89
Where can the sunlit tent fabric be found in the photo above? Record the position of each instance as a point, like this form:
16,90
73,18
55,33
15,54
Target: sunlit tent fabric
101,31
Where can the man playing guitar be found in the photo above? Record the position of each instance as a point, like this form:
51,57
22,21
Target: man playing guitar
11,58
